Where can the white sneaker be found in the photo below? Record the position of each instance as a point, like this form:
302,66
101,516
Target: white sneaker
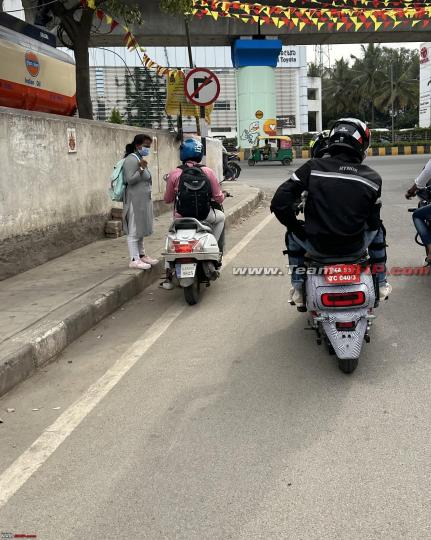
384,291
167,284
139,265
295,297
149,260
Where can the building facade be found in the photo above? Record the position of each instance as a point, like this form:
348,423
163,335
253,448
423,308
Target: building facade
139,94
424,86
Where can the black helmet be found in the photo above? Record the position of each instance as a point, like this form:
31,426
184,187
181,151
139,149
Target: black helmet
349,134
320,144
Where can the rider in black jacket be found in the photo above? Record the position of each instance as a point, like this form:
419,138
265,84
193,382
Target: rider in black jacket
342,209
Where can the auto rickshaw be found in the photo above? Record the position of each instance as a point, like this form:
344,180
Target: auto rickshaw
264,151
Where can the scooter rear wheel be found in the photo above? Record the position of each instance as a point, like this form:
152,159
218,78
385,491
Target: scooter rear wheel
236,168
191,293
348,365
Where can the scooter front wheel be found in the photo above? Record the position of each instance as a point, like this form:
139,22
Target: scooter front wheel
348,365
191,293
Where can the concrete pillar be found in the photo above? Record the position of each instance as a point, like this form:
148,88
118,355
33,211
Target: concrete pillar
255,60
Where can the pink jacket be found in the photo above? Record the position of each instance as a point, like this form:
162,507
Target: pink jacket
173,179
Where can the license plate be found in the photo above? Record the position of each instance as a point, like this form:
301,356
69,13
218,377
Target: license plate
343,274
185,270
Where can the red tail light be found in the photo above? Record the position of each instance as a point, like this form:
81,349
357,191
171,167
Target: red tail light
356,298
345,325
184,247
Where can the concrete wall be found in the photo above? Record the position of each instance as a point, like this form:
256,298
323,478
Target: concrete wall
53,201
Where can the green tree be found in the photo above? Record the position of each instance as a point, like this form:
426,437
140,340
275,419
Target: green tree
314,70
339,92
402,89
364,89
145,98
115,117
367,77
75,24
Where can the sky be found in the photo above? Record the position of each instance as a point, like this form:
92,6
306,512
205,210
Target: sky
335,51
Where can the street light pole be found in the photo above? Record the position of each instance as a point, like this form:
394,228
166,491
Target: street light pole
392,101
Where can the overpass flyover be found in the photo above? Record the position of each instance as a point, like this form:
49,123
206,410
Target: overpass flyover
385,23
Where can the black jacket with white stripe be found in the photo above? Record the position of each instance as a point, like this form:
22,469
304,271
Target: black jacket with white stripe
343,200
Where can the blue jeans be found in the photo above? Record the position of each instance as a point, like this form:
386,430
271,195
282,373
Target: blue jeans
419,217
373,240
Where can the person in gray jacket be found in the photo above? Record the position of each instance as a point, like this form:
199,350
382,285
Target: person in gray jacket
138,204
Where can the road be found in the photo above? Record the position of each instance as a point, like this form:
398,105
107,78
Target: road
226,420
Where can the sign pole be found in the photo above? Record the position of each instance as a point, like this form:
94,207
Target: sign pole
189,49
203,129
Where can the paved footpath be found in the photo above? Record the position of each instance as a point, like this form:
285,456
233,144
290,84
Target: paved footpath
47,308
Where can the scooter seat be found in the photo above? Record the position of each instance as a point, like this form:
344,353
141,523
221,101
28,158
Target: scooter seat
354,258
189,223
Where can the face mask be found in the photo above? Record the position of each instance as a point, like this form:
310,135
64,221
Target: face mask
144,151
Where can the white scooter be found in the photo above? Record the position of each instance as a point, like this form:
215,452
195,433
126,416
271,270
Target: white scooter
341,294
193,255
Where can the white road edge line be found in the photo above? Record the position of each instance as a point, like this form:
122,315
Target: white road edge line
17,474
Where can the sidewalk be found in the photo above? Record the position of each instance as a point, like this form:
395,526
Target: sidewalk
47,308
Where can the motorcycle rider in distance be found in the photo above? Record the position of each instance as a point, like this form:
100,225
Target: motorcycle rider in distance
342,209
421,214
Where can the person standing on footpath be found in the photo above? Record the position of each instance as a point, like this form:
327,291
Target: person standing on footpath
138,214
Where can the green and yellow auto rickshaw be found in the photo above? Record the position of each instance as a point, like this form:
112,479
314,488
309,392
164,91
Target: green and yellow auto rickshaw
276,148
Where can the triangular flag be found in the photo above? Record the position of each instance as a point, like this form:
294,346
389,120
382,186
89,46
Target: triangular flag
377,25
214,15
319,25
340,25
295,21
301,26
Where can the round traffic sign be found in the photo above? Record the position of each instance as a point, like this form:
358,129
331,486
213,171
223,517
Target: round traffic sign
201,87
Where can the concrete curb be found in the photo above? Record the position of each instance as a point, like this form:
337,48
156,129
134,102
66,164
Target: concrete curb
39,344
381,151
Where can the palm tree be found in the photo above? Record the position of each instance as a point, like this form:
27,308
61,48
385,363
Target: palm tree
338,90
405,90
367,76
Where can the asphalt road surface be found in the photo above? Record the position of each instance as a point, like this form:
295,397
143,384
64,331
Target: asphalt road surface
226,420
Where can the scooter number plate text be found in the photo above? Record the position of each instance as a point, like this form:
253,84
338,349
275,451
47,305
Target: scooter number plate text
185,270
340,274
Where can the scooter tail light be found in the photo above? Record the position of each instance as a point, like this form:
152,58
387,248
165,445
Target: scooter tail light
183,246
348,299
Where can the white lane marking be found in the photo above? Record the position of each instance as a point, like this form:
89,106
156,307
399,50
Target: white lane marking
15,476
246,240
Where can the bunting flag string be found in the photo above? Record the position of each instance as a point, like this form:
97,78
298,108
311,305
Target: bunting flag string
323,15
129,39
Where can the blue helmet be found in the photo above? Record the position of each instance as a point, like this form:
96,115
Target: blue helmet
191,150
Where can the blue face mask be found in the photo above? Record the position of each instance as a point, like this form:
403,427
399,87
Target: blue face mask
144,151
